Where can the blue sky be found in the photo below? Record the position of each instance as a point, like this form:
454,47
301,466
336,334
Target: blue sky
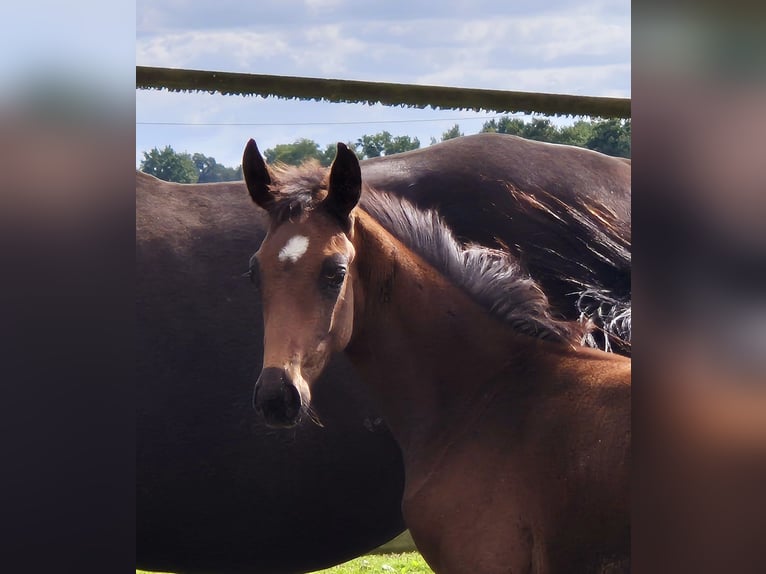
569,47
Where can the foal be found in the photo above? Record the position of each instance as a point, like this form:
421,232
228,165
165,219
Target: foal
515,441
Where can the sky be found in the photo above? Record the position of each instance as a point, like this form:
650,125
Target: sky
570,47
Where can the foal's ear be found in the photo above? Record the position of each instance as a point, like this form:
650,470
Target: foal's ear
345,182
257,176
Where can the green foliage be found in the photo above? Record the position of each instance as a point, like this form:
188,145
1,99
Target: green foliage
505,125
295,153
540,129
576,134
453,132
168,165
611,137
373,146
302,150
384,143
331,149
329,153
537,129
210,170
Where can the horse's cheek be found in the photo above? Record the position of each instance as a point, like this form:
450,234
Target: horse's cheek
344,320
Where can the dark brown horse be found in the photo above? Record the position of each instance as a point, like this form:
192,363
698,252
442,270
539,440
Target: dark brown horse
204,464
515,440
563,211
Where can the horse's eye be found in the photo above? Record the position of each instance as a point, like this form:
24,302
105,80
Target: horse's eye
333,276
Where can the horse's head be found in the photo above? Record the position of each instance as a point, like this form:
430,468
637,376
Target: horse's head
304,268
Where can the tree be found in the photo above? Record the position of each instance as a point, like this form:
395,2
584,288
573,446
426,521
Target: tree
537,129
295,153
401,144
540,129
611,137
331,150
505,125
168,165
209,170
453,132
384,143
576,134
373,146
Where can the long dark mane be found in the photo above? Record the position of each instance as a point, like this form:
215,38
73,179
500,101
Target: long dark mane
493,277
610,310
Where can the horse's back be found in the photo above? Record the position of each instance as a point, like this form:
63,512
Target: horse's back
564,211
174,211
569,172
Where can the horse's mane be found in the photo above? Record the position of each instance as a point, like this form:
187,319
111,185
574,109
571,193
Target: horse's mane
608,309
492,277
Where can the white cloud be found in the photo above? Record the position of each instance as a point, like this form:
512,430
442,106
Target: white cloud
327,51
226,50
552,46
580,80
403,50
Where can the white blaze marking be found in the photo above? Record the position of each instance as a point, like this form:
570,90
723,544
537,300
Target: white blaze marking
294,249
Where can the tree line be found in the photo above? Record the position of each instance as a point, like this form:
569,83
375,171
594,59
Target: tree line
611,137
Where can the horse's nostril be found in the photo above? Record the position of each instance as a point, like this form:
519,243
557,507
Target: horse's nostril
276,398
292,400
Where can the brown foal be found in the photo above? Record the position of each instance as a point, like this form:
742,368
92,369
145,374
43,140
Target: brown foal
515,440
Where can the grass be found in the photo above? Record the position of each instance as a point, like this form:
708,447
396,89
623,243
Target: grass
406,563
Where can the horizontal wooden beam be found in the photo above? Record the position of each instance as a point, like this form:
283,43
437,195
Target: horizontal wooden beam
352,91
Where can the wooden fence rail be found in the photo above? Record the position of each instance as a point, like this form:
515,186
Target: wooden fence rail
409,95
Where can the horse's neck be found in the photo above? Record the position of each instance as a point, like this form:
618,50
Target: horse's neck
421,342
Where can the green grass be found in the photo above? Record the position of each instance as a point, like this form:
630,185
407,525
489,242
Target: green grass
406,563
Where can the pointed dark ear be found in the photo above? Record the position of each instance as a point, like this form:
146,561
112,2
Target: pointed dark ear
345,183
257,176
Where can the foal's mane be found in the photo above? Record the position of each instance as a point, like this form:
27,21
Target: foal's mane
492,277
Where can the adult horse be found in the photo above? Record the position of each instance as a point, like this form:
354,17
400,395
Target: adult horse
515,440
564,212
204,463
